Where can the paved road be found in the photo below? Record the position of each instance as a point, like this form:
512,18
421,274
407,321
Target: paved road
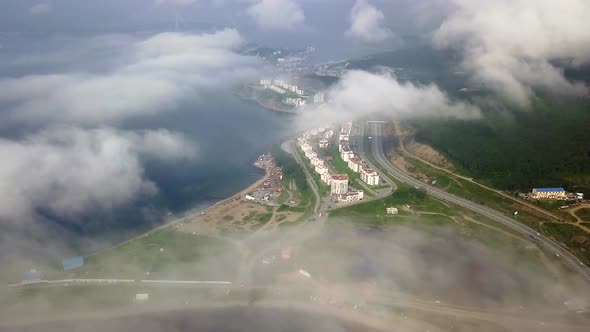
122,281
358,141
565,256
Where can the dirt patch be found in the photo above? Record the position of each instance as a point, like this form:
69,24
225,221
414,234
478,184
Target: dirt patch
581,239
232,215
583,214
237,216
400,162
429,154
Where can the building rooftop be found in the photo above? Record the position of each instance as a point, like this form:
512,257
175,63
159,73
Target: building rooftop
353,193
368,170
549,190
72,263
339,177
356,160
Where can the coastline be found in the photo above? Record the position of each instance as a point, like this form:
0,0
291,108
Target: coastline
264,105
189,214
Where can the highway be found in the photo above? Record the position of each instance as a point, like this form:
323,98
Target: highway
358,141
121,281
549,245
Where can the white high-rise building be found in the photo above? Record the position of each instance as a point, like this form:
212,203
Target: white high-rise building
355,164
316,161
326,177
339,184
346,154
310,155
369,176
318,98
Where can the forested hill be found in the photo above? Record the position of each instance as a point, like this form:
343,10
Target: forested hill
547,145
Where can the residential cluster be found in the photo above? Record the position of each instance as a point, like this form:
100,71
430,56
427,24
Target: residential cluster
283,88
339,183
280,86
270,190
355,163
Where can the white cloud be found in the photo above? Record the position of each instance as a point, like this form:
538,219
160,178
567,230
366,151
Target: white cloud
175,2
366,23
277,14
70,170
66,162
159,72
511,46
40,9
361,93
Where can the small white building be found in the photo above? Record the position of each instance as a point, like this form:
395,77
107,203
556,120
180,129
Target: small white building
304,273
352,196
324,143
392,210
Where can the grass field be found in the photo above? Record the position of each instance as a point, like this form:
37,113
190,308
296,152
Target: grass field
480,195
536,220
417,199
573,237
324,189
163,254
583,214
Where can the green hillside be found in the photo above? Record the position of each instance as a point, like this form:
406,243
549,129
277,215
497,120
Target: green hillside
546,145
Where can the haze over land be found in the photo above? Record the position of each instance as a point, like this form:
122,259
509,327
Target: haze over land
116,116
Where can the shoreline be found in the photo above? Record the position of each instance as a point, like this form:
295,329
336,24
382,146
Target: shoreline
189,214
264,105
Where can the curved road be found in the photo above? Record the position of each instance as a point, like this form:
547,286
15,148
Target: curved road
565,256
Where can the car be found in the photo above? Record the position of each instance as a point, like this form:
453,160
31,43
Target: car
556,254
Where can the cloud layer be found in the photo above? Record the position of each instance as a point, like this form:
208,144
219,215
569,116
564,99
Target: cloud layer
277,14
366,23
69,170
361,93
69,159
160,72
40,9
512,46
